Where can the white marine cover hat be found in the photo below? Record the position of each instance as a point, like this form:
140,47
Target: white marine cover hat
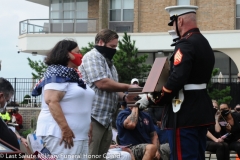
176,11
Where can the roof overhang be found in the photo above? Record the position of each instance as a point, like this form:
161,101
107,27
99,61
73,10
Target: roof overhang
42,2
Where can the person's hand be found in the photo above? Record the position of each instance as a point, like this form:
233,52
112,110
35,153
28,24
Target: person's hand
24,142
217,115
219,140
159,123
157,156
67,137
90,134
133,86
228,127
143,102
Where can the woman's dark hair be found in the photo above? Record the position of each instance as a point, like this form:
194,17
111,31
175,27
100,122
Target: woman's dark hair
59,53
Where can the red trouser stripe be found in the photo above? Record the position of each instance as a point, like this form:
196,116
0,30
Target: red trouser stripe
178,144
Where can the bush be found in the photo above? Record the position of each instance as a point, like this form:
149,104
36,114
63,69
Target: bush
26,132
25,101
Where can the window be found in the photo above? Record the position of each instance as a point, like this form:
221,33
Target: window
237,14
183,2
121,10
68,9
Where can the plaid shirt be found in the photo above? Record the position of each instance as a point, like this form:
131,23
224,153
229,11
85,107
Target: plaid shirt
94,67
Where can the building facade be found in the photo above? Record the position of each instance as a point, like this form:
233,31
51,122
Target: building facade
144,20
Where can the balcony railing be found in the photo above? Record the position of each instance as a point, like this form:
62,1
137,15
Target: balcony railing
45,26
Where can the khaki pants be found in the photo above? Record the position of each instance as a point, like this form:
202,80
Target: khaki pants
101,140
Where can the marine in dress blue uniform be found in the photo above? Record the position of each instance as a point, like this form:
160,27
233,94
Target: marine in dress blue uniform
191,64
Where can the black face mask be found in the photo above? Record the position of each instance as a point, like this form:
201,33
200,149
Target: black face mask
224,113
106,52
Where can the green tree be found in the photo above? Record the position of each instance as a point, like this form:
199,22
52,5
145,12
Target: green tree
38,66
221,95
84,50
128,64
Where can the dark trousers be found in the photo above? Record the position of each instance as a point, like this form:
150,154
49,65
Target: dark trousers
221,149
235,146
190,143
162,135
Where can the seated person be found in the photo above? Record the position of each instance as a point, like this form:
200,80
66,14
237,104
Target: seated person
228,122
216,145
7,135
18,118
136,127
5,115
156,115
237,108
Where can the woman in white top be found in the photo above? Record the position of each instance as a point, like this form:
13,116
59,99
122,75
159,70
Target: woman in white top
65,117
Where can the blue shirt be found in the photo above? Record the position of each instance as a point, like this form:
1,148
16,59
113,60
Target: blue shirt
140,134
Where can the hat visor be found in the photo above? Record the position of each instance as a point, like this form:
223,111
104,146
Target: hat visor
171,23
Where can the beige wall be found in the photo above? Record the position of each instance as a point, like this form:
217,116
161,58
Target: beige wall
93,8
150,16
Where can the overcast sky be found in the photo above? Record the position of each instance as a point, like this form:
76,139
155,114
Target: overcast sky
11,13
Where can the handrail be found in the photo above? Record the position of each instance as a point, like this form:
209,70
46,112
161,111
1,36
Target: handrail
81,25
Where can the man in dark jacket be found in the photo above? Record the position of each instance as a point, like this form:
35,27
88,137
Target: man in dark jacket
192,63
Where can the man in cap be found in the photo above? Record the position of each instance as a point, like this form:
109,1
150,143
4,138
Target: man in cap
135,81
192,63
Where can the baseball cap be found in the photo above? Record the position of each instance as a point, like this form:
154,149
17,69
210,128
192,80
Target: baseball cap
134,80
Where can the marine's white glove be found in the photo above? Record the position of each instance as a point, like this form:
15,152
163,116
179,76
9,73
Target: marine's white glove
143,102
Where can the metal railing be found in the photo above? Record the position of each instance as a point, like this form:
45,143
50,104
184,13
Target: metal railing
24,87
45,26
22,92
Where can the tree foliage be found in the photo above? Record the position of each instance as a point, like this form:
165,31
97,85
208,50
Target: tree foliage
128,64
221,95
84,50
38,66
127,61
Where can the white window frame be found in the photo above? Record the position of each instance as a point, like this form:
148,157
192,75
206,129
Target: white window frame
237,17
121,12
178,2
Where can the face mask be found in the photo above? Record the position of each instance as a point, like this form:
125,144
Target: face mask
106,52
2,110
78,59
224,113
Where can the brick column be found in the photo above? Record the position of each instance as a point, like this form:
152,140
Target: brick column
136,15
193,2
103,14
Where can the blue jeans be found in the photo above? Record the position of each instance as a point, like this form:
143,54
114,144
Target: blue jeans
190,143
162,135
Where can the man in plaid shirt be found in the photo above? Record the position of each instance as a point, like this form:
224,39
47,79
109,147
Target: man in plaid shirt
100,74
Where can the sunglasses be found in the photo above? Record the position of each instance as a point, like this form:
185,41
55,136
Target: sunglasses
237,109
